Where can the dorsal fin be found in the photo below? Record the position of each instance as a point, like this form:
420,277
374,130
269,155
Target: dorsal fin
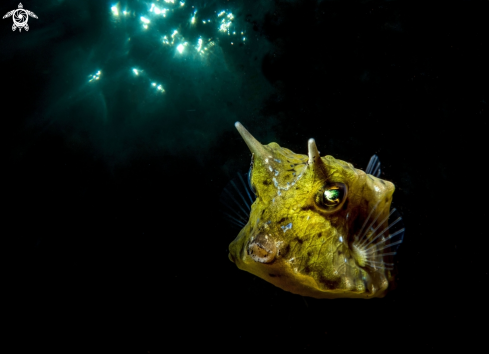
373,167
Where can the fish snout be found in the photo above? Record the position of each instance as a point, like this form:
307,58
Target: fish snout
262,248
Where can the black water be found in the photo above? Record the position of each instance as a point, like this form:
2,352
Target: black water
111,186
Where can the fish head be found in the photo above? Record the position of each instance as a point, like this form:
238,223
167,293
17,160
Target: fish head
303,232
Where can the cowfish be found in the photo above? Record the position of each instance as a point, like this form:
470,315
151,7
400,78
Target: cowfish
317,226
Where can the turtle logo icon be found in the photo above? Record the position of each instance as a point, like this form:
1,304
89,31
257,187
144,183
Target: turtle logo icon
20,17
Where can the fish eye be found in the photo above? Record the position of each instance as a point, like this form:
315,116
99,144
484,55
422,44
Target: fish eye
332,196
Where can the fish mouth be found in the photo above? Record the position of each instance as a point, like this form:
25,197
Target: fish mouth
262,249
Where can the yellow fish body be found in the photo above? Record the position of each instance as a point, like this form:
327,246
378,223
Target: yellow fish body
318,227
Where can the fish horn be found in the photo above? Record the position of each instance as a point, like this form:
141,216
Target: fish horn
313,152
253,144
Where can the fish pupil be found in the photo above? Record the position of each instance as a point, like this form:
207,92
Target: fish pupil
332,195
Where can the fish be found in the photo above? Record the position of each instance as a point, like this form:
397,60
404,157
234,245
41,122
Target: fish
317,226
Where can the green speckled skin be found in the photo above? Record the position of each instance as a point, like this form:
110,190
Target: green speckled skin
292,241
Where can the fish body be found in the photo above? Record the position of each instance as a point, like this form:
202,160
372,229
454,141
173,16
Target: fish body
319,227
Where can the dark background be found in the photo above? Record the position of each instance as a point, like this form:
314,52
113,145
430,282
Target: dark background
113,207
